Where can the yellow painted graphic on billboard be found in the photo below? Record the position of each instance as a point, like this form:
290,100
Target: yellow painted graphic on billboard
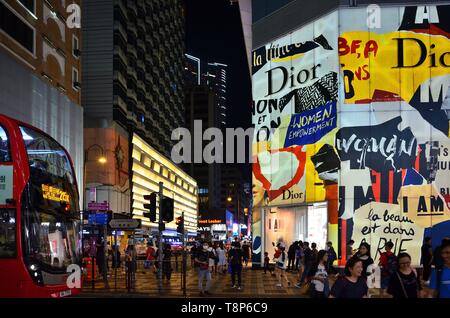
424,205
390,66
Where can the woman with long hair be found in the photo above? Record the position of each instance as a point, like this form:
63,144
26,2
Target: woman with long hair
320,276
363,255
353,284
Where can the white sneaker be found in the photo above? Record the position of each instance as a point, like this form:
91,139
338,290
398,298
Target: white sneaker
234,286
279,285
239,288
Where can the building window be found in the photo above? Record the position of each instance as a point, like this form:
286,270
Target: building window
15,26
75,82
75,47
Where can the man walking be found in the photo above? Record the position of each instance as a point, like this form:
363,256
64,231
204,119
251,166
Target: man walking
236,257
202,260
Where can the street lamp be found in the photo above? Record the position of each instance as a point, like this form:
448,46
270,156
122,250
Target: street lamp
101,159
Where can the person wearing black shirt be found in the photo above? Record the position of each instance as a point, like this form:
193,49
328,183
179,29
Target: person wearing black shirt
167,268
309,262
426,258
404,283
353,284
236,257
202,260
363,255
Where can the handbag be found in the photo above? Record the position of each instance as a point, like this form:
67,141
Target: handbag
146,264
401,284
229,268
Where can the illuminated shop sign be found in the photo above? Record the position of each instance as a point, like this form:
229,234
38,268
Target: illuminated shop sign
54,194
213,221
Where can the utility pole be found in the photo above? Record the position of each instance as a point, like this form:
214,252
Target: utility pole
105,256
184,256
160,244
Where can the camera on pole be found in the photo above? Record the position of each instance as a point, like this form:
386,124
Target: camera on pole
150,206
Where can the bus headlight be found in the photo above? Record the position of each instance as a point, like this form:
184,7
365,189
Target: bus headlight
36,274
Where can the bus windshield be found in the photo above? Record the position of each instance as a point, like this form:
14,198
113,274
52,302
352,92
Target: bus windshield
51,213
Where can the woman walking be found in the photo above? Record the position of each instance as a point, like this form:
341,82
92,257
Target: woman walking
353,284
220,252
280,266
405,282
320,278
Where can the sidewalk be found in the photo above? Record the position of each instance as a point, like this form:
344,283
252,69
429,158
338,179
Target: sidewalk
254,284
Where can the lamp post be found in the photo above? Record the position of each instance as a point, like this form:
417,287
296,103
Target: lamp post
101,160
230,199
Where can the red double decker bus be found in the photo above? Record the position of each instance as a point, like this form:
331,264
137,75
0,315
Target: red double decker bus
39,213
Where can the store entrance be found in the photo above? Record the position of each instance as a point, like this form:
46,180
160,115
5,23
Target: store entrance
296,223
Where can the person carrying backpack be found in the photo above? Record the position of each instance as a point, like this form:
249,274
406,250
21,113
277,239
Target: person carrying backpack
280,266
388,263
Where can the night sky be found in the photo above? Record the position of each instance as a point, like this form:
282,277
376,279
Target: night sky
214,34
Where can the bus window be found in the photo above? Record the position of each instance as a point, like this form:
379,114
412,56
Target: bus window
50,216
50,169
46,155
5,155
7,233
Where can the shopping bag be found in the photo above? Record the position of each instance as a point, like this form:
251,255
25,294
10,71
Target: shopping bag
229,268
146,264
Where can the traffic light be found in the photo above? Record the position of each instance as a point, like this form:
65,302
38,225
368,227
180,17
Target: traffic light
167,209
150,206
180,224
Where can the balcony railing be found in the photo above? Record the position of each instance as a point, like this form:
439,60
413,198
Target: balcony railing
122,6
117,100
118,50
119,77
132,28
132,94
131,49
132,6
118,26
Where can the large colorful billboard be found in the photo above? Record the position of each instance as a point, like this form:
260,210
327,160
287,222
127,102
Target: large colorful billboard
357,114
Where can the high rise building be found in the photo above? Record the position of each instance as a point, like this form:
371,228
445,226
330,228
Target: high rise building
133,85
201,108
216,79
192,71
205,100
134,67
40,73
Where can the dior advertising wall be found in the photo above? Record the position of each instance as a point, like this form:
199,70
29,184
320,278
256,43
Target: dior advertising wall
357,114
